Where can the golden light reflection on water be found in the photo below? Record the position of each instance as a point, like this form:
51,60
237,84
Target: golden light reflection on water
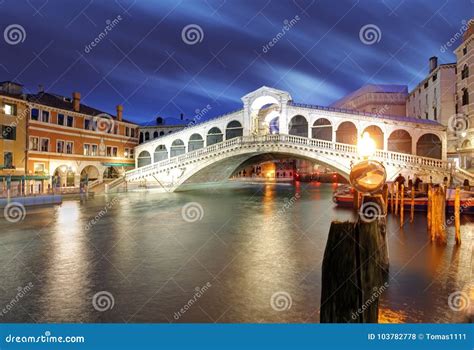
392,316
66,279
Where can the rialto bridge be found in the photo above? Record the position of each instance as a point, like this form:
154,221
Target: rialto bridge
271,126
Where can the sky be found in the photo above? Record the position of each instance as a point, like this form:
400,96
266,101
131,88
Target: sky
167,57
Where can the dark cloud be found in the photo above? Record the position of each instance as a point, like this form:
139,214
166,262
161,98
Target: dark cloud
144,63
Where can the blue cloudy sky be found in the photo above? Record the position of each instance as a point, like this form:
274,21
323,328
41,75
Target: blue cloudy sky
145,64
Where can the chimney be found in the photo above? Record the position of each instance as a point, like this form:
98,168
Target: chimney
182,115
433,63
76,101
119,112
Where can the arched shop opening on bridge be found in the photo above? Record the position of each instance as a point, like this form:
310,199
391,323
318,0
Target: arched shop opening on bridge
429,145
400,141
161,153
177,148
376,134
322,129
234,129
298,126
195,142
346,133
143,159
214,136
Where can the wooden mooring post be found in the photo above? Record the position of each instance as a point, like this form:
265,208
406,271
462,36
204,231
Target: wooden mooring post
396,197
392,196
402,204
412,204
354,268
457,215
437,214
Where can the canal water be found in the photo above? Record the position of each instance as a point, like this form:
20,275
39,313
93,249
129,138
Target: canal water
243,253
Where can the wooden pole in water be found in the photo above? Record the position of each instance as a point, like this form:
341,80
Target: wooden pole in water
385,197
438,206
356,200
392,202
396,197
412,209
428,211
402,207
457,215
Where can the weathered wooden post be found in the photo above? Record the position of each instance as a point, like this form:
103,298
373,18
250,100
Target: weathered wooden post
457,215
385,197
428,209
438,207
412,207
402,202
396,197
392,202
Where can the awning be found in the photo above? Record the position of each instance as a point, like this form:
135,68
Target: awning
23,177
119,164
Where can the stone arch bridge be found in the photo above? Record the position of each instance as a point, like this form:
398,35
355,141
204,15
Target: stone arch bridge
271,125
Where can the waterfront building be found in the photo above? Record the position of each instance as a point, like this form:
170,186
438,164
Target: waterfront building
13,140
462,141
70,142
433,98
162,127
379,99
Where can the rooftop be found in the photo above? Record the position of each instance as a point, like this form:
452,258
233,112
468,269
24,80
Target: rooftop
371,88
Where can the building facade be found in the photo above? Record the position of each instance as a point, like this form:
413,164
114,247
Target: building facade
379,99
70,142
462,137
433,98
161,128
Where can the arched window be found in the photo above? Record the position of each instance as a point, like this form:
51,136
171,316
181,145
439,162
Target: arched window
399,141
144,158
195,142
155,134
214,136
177,148
465,72
322,130
429,145
147,136
141,137
466,144
465,97
162,133
233,129
161,153
298,126
346,133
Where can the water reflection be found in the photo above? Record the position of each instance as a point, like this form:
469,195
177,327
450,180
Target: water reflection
252,241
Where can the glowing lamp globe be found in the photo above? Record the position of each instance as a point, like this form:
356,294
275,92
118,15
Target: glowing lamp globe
368,176
366,146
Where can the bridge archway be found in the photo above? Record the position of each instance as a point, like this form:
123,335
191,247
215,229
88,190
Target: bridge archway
90,172
346,133
376,134
161,153
233,129
429,145
298,126
322,129
143,159
177,148
264,113
195,142
214,135
400,141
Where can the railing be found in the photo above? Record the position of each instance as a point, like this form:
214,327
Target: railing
117,182
241,142
94,183
463,174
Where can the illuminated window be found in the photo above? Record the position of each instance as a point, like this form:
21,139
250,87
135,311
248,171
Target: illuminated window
10,109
